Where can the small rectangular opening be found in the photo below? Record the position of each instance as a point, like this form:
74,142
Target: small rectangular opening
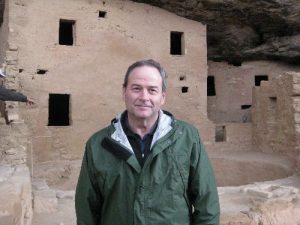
220,134
259,78
272,109
245,106
41,71
59,110
183,77
177,43
184,89
273,103
66,32
235,63
102,14
211,90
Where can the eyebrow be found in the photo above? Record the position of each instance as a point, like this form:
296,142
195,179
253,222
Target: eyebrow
151,86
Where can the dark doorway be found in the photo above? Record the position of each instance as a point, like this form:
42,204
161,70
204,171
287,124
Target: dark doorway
66,32
259,78
176,43
220,134
211,90
59,110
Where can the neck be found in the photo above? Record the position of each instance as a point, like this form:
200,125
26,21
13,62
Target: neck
142,126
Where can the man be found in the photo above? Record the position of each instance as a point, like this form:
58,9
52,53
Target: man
146,167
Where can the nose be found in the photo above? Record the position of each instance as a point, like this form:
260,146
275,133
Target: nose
144,95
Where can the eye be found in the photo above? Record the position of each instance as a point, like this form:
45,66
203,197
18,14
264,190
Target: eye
136,89
152,90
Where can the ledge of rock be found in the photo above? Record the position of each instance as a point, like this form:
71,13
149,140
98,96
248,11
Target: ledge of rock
243,30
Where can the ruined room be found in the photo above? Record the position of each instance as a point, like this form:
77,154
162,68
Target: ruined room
233,64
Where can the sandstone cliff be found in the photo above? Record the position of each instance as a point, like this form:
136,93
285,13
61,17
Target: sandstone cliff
239,30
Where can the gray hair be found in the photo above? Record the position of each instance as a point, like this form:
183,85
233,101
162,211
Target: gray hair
151,63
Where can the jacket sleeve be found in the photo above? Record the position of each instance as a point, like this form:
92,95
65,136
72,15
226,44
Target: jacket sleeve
88,199
11,95
203,194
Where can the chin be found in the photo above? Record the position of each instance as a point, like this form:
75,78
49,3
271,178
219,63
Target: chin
142,115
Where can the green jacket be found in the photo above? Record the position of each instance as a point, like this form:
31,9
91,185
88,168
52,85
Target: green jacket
176,185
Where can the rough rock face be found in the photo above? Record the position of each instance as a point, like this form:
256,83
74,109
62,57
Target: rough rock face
243,29
1,11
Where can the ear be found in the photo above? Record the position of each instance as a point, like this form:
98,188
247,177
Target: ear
123,93
163,99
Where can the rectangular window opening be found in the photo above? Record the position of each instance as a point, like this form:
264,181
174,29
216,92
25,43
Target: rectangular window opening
183,77
184,89
211,90
259,78
245,106
102,14
272,109
59,110
220,134
41,71
273,103
177,43
66,32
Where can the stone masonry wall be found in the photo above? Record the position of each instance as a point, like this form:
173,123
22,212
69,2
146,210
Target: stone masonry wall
234,85
275,116
3,33
14,141
233,90
15,148
91,71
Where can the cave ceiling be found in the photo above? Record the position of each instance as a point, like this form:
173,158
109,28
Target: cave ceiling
239,30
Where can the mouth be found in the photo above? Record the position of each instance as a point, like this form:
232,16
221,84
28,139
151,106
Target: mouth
143,106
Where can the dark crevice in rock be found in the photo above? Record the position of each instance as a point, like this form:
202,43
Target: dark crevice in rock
243,29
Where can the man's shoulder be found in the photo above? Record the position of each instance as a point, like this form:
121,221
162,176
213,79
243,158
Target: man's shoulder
100,134
178,123
181,124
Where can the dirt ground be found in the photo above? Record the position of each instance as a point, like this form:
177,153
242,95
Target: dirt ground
65,215
59,178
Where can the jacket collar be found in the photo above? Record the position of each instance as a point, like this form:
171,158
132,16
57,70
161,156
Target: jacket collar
165,122
119,145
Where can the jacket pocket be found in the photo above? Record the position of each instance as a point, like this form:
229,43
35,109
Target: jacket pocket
182,165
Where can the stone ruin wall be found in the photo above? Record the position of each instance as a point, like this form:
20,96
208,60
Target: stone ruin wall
91,71
234,86
276,116
14,138
3,34
15,180
82,69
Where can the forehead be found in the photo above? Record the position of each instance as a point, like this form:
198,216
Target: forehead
148,73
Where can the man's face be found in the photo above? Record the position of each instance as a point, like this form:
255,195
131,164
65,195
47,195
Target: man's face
143,95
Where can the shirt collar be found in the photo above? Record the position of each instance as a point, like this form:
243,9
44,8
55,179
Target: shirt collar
128,131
